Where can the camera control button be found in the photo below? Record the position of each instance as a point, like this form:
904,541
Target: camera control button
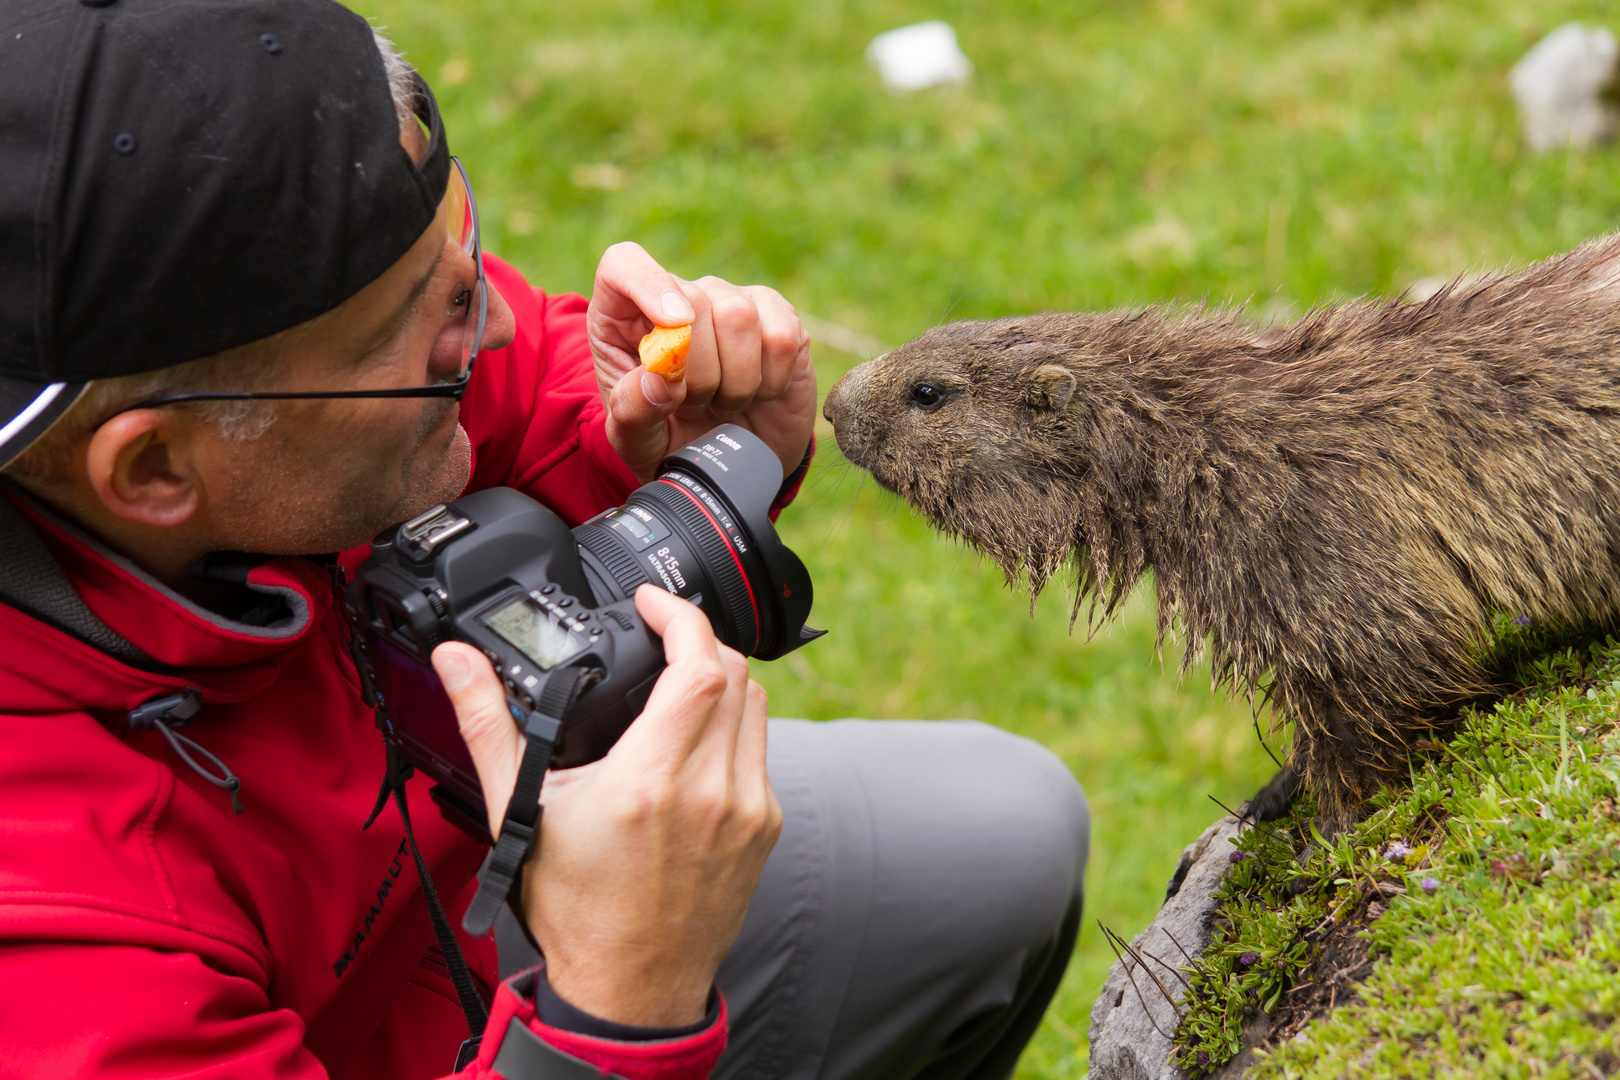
548,590
566,602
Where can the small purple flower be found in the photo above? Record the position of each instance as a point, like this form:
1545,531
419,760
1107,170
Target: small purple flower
1202,1057
1521,620
1248,959
1237,856
1429,885
1397,851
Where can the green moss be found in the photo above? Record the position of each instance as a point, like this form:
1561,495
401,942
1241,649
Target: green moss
1499,949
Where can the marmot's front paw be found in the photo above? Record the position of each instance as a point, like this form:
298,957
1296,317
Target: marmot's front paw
1272,801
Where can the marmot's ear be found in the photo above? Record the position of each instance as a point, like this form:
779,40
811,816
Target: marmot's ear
1051,386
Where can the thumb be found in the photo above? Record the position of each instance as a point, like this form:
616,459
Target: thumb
637,422
493,739
630,285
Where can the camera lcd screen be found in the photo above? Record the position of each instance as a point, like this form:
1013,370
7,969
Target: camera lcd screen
419,711
534,632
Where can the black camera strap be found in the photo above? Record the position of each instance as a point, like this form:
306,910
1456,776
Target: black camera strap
472,1006
501,879
520,826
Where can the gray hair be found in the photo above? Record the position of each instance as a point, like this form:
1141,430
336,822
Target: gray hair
401,80
49,458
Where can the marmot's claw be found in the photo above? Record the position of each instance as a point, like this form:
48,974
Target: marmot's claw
1179,878
1272,801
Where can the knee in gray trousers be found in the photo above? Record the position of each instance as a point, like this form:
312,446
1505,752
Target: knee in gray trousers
917,913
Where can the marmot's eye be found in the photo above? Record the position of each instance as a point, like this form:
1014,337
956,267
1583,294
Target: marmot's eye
927,395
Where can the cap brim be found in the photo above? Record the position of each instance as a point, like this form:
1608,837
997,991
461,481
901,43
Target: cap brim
28,408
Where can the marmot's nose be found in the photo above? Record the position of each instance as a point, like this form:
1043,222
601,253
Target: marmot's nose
829,408
832,408
843,400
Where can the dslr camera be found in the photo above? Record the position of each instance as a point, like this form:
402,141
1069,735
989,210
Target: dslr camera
501,572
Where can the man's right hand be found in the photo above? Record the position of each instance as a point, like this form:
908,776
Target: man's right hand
648,858
749,364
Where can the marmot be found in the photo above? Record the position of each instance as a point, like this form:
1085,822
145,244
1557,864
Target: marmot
1335,506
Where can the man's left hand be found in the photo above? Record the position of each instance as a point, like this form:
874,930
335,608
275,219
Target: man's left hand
749,364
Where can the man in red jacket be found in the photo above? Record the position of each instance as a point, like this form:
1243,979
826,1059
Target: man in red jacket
246,311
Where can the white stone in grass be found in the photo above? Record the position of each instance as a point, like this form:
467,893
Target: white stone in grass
918,56
1563,87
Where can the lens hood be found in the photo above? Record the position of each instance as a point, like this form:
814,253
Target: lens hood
737,465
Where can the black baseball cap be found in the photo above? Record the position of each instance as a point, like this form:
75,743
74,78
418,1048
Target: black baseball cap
179,177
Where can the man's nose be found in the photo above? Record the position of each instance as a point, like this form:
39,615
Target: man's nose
501,325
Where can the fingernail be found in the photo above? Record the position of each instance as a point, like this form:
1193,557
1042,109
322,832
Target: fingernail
453,669
677,308
654,388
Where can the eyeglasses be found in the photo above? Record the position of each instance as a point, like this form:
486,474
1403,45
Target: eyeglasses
472,304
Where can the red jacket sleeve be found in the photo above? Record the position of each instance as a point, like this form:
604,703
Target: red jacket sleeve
124,1012
534,413
518,1046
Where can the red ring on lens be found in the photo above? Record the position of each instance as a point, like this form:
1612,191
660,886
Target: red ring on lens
730,550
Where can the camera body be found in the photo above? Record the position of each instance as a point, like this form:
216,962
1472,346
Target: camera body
501,572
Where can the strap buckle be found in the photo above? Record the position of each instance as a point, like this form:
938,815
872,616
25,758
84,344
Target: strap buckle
502,876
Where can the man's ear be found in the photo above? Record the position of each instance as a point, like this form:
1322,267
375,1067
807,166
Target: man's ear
139,465
1051,386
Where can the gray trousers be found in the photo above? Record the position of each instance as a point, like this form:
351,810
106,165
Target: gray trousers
918,912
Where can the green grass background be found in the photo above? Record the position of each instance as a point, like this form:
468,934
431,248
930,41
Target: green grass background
1276,152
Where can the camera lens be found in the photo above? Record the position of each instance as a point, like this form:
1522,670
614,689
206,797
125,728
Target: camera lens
702,530
690,545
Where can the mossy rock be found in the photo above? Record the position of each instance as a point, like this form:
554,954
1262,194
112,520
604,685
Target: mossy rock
1469,925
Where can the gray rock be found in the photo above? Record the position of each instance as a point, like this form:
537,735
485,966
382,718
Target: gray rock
1563,87
1132,1022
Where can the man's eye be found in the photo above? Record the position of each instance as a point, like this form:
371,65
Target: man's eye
927,395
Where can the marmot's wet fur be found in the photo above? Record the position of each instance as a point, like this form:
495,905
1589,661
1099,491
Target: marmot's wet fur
1336,506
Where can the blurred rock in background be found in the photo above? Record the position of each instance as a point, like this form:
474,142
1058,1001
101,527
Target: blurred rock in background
1565,88
918,56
